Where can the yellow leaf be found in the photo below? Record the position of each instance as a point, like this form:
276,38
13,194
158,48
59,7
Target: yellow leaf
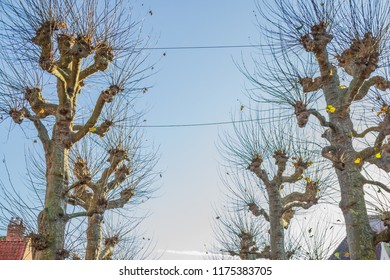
92,129
310,163
331,72
358,160
330,109
378,155
384,110
346,254
41,111
337,255
342,87
62,25
307,179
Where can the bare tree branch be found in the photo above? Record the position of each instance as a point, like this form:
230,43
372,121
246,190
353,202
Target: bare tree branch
379,184
363,88
321,118
257,211
125,197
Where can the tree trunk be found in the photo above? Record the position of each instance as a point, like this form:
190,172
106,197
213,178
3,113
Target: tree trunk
351,181
276,229
94,237
353,205
52,220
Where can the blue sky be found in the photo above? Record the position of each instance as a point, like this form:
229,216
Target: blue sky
193,86
190,86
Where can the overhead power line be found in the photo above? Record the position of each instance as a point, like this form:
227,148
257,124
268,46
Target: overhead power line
202,47
204,124
192,124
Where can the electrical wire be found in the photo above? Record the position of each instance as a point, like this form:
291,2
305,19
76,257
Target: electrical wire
191,48
202,124
192,124
201,47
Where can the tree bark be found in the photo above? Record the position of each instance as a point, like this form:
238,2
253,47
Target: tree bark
52,220
351,181
353,206
276,229
94,237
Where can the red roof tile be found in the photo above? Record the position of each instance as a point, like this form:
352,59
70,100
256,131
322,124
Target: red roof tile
12,250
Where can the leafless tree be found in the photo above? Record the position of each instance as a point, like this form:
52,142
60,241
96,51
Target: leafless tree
121,239
240,235
103,213
318,235
328,62
273,174
313,236
119,173
63,63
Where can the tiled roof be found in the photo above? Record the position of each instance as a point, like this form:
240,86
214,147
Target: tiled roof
12,250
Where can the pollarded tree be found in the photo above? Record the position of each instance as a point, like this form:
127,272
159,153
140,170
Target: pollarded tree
272,175
106,177
121,238
331,55
62,63
241,235
124,241
127,182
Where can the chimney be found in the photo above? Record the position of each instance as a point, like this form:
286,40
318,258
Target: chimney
15,231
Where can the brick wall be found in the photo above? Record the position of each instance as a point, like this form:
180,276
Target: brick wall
15,231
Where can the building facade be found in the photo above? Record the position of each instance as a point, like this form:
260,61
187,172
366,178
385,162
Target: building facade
15,246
